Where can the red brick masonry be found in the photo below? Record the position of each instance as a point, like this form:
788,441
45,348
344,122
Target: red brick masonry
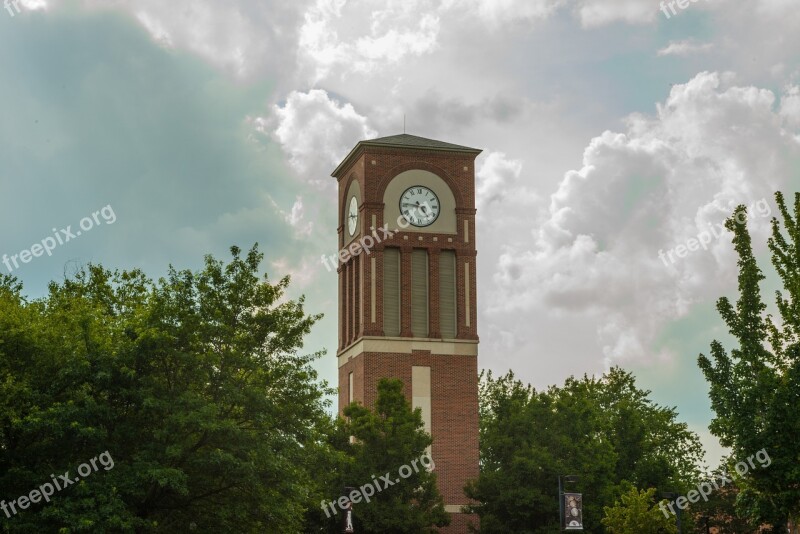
454,378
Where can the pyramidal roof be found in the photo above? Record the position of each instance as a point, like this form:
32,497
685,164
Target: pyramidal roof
408,140
405,141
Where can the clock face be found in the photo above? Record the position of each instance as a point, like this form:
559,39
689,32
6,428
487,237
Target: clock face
352,216
419,206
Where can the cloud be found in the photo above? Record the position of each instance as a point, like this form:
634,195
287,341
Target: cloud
494,178
33,5
776,7
295,217
302,43
711,145
497,12
365,35
316,132
790,107
757,39
299,44
340,38
304,273
446,114
684,48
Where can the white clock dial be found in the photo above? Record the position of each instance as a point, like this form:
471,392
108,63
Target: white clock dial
419,206
352,216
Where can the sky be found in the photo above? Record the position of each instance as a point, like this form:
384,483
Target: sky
617,136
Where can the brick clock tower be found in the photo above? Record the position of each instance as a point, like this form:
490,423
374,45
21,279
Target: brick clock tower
407,309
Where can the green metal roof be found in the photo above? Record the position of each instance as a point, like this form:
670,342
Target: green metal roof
405,141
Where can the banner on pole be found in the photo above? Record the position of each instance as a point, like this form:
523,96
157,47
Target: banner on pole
347,522
572,518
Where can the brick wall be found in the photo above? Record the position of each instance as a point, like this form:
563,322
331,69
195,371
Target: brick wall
454,407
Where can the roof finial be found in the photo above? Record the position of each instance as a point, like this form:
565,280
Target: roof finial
404,123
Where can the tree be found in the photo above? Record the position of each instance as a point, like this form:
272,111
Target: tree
755,389
193,385
720,509
654,449
389,440
636,513
603,429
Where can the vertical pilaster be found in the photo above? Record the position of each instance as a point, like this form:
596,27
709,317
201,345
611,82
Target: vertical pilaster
373,294
340,272
353,310
467,298
347,308
357,296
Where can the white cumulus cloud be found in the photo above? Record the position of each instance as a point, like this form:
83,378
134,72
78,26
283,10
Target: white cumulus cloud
497,12
667,178
365,35
494,178
684,48
316,132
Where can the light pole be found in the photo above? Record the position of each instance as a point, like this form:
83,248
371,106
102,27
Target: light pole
568,479
672,496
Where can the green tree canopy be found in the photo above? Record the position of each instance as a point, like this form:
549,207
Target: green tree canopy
193,384
605,430
384,440
637,513
755,389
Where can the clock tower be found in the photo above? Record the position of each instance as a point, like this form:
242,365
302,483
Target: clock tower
407,292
